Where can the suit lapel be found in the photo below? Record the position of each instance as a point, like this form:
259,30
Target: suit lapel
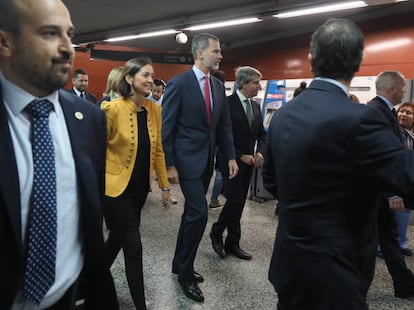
9,182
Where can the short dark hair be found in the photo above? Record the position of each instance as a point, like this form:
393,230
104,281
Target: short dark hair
336,49
201,42
10,17
159,82
78,72
300,89
131,68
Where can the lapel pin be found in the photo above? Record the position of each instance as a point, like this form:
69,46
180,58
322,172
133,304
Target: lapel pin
79,115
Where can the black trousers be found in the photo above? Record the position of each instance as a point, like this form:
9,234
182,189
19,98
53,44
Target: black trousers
123,218
235,191
402,276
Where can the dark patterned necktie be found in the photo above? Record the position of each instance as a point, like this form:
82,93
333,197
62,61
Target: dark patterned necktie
249,112
41,251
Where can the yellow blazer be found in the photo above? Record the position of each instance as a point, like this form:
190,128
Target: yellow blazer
122,146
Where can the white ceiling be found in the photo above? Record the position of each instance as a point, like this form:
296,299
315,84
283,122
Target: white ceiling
96,20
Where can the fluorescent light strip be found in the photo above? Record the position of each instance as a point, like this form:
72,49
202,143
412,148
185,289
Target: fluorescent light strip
224,24
142,35
322,9
388,44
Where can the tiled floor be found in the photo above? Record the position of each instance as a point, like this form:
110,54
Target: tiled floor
229,283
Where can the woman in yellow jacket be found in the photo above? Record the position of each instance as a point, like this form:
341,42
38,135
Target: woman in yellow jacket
134,151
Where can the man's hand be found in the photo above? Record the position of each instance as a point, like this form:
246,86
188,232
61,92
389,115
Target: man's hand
396,203
233,168
258,159
247,159
172,175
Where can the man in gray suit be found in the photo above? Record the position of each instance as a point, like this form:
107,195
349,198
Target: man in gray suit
195,118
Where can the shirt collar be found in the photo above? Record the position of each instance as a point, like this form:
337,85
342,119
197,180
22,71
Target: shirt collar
387,101
335,82
17,98
199,74
241,96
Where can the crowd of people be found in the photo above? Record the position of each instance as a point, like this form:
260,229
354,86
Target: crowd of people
71,161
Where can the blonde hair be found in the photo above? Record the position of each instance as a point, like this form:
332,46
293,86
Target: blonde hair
112,83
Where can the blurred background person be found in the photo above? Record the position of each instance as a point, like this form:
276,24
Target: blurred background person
405,115
111,91
80,81
300,89
134,151
157,91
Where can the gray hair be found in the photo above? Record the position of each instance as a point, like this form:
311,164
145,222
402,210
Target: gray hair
245,74
388,79
201,42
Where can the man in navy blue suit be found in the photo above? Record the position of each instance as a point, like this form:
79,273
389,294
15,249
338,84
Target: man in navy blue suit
328,162
195,119
76,133
390,86
80,81
249,141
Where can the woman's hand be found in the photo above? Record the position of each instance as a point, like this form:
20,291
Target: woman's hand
166,199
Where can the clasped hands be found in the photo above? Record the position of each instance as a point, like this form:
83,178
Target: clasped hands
256,160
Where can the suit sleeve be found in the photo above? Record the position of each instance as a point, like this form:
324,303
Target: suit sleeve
379,154
224,133
171,105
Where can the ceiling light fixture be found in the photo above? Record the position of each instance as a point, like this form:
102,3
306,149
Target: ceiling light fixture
142,35
322,9
224,24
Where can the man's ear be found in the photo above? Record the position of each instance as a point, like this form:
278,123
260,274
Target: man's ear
6,44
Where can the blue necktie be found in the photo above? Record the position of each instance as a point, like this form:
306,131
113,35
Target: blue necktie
41,253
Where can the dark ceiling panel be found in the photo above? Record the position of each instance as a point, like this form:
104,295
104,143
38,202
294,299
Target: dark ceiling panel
96,20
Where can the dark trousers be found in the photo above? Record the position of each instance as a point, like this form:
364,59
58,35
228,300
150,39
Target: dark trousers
402,277
123,218
235,191
193,224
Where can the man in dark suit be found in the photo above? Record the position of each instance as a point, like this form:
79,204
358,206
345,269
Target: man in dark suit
80,81
247,124
77,274
328,161
390,87
195,117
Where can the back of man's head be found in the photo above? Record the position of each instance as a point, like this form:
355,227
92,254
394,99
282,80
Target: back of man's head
336,49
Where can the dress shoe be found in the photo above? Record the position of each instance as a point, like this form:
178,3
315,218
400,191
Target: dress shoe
214,204
239,253
407,252
190,289
198,277
218,246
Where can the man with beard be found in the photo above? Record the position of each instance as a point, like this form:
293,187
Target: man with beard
195,117
52,168
80,83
